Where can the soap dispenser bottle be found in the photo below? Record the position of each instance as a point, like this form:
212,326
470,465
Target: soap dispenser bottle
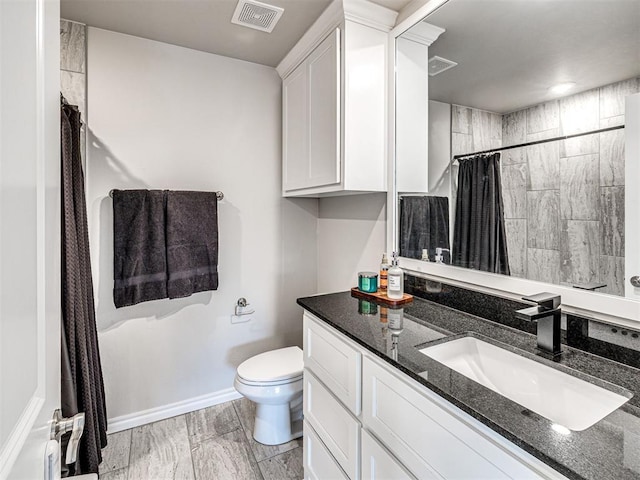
395,276
425,255
384,269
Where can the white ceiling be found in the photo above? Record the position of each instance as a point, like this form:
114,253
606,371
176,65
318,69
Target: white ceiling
510,52
204,24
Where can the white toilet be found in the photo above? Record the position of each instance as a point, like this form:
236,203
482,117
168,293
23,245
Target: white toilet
273,381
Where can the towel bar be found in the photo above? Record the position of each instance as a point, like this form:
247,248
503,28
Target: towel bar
219,195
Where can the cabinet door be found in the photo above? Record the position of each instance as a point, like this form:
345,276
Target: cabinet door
324,112
318,462
429,440
336,363
337,429
295,171
378,464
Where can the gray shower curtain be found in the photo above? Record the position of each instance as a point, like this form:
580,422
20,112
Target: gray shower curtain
82,385
479,237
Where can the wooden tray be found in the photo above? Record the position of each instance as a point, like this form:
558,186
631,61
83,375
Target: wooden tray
381,298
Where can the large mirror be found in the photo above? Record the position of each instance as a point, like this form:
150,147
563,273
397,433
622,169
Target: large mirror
522,172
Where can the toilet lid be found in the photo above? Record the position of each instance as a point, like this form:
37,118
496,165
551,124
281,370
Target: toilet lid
272,366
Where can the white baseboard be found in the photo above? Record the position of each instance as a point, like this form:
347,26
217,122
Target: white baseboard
131,420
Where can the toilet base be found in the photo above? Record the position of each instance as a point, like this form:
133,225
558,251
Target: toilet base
273,424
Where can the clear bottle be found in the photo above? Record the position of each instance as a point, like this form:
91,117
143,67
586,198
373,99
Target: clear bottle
395,275
384,268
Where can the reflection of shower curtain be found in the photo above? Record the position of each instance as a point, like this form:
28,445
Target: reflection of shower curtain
424,223
479,238
82,386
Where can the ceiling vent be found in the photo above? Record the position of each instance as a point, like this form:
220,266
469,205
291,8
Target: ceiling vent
438,65
257,15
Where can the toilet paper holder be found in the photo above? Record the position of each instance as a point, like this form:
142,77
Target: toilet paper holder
240,308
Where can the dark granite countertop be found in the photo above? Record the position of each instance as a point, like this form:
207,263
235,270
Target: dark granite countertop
609,449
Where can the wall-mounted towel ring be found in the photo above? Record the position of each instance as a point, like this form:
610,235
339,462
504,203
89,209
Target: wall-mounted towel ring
219,195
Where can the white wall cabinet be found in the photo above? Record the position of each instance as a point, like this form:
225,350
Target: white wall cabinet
334,103
403,430
412,108
311,106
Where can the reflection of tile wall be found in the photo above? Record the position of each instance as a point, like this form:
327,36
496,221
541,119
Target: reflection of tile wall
73,69
474,130
564,201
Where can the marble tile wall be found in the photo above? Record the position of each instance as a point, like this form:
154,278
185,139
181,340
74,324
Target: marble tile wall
563,200
73,60
474,130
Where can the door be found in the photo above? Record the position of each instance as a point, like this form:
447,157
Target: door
295,128
311,119
632,198
324,112
29,234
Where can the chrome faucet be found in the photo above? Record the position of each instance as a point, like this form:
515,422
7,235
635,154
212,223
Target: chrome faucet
547,313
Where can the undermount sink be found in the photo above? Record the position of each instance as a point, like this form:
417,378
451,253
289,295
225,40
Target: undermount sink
560,397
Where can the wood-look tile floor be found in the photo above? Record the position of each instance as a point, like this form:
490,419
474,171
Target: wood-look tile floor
215,443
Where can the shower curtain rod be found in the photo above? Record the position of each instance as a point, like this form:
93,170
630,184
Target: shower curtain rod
219,195
537,142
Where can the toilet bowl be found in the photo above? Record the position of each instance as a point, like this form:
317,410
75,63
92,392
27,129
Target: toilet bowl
273,381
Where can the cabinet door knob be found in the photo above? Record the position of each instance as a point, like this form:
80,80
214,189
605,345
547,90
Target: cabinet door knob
635,281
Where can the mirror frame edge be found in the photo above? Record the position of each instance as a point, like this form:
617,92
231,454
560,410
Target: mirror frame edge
609,308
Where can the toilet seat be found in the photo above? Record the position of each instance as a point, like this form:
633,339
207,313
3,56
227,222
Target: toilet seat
275,383
276,367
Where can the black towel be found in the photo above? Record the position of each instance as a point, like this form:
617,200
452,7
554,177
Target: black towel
139,244
192,242
424,223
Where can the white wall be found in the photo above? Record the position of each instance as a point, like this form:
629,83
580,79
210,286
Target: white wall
351,239
167,117
439,149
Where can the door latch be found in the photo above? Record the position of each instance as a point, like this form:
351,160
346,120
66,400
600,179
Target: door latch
61,425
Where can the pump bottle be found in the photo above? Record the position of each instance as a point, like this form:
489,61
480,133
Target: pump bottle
384,268
395,276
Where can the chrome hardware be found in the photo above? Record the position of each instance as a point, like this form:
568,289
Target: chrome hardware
61,425
439,258
219,195
241,306
635,281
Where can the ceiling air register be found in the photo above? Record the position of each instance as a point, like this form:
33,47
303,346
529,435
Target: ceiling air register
257,15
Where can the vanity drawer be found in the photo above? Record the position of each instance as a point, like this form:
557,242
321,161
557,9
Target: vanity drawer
427,438
378,464
335,426
318,462
336,363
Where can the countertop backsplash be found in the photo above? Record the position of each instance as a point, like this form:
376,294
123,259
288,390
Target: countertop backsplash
621,344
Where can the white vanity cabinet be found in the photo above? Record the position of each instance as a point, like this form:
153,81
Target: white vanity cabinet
366,419
332,394
334,103
378,463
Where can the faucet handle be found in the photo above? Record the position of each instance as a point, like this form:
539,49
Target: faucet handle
545,300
